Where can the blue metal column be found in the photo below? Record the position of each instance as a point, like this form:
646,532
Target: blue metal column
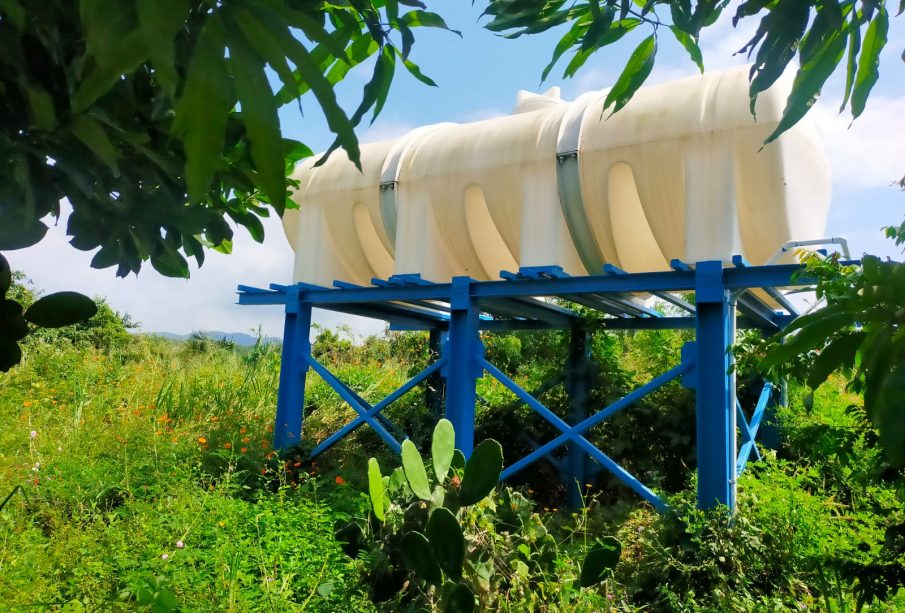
715,409
577,380
463,350
769,429
436,384
287,430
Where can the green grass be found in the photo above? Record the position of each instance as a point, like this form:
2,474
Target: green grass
134,454
142,479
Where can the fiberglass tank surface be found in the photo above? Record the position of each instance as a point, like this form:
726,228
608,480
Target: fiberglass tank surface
680,172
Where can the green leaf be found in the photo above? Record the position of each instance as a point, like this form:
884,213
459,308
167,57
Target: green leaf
169,262
458,598
310,72
259,114
482,472
854,46
426,19
690,44
419,557
603,557
888,414
61,309
458,461
93,135
13,11
869,71
633,75
443,446
809,80
415,473
376,489
12,320
201,111
108,68
597,30
838,354
415,71
40,104
814,335
160,21
6,278
447,541
570,38
10,354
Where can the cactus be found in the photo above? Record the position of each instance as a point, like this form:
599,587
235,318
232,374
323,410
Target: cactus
482,471
418,556
443,448
376,489
458,461
423,530
457,598
447,541
415,473
601,559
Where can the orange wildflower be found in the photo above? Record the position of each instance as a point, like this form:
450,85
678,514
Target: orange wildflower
339,480
242,430
244,449
227,445
26,404
202,440
245,439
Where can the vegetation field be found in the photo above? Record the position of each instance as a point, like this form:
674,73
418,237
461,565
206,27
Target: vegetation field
140,477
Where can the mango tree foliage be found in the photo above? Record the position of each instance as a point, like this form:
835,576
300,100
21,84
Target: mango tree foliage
158,121
822,35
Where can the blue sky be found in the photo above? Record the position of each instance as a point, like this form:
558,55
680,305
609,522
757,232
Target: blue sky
479,76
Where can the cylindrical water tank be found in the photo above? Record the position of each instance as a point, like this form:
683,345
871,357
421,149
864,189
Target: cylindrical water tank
680,172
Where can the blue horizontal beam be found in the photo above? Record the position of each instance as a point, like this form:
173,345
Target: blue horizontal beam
646,282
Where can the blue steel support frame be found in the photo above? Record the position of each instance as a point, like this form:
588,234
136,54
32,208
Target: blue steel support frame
715,397
459,310
578,387
463,349
287,430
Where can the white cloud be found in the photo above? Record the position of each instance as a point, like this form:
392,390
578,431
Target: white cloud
386,130
870,153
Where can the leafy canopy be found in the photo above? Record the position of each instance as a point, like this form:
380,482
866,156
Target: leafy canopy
821,34
157,119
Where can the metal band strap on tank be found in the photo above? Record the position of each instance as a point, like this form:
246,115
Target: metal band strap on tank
389,175
568,181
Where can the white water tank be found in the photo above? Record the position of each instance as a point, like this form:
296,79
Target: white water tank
680,172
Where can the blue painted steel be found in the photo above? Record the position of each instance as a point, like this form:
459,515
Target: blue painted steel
715,410
376,409
408,302
574,433
362,408
752,427
672,281
462,351
578,385
287,427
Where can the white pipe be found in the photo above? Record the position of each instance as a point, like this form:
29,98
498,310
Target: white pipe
789,245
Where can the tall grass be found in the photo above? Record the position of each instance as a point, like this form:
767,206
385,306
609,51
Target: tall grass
145,482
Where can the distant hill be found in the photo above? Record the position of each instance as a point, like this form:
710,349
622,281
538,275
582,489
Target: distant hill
240,338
